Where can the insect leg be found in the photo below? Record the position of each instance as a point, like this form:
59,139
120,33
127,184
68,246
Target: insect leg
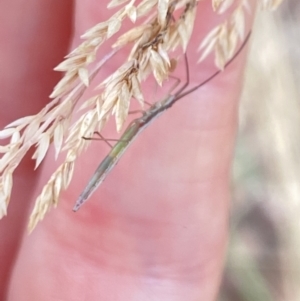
136,112
177,82
187,73
101,138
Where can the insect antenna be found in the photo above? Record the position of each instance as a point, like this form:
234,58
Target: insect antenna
179,96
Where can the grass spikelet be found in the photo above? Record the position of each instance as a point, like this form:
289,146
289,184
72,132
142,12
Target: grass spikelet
160,31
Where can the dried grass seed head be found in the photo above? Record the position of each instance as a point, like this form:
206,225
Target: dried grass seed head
150,53
223,39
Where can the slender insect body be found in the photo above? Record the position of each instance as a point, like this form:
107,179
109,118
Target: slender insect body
132,131
108,164
137,126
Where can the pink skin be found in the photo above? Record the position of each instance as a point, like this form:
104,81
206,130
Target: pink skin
157,227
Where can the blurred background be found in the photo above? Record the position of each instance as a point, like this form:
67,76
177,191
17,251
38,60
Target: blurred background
263,260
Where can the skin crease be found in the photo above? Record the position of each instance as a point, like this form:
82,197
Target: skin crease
157,228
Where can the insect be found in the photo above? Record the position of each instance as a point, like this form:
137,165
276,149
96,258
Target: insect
136,127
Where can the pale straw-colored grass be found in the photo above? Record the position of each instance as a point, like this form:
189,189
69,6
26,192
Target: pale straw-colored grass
152,43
